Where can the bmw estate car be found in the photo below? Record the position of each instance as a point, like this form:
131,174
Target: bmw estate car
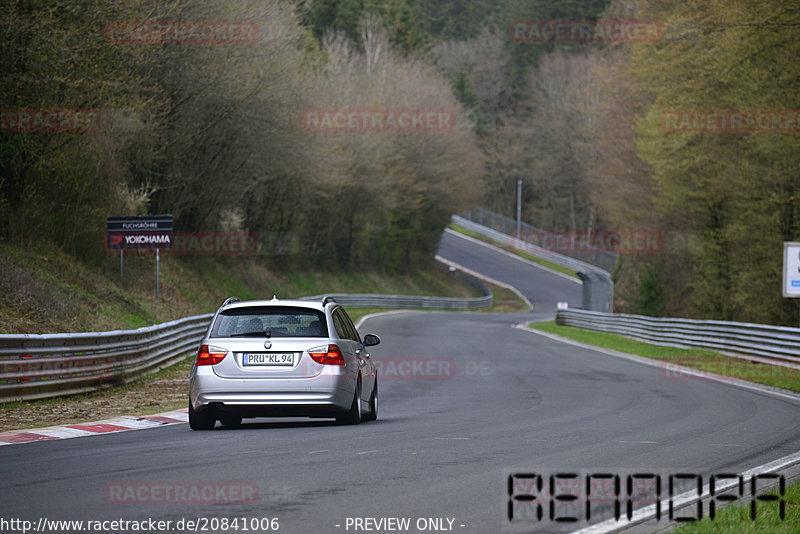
282,358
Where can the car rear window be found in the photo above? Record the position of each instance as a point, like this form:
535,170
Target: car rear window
277,321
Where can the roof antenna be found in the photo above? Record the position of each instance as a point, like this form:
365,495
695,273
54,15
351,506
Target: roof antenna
274,297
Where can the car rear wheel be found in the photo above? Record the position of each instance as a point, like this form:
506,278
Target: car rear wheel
352,417
373,404
204,420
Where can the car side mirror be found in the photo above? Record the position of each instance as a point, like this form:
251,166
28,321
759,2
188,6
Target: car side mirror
370,340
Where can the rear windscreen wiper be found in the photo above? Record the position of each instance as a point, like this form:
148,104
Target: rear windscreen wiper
253,334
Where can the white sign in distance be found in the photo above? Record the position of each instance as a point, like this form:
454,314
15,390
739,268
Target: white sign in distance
791,270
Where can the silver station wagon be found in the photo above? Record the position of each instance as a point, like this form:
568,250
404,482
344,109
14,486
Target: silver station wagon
282,358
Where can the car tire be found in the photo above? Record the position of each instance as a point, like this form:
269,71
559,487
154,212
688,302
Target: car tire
231,420
204,420
353,416
373,404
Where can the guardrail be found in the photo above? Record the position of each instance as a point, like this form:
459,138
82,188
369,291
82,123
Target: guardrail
419,302
531,236
777,343
411,302
598,287
36,366
535,250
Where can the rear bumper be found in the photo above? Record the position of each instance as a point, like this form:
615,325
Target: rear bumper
324,395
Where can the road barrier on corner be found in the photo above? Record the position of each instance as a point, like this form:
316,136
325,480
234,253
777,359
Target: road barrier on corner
758,342
598,287
577,255
418,302
412,302
36,366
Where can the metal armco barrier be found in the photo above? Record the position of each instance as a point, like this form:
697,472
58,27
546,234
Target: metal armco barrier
531,237
418,302
775,342
598,287
411,302
36,366
519,244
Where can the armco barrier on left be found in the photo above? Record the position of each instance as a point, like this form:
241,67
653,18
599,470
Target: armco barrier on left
35,366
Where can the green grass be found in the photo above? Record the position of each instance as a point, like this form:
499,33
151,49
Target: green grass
46,290
544,263
504,300
703,360
131,321
736,518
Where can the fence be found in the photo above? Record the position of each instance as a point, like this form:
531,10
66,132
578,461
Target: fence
755,340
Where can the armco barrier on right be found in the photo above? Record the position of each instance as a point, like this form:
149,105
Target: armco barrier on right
778,343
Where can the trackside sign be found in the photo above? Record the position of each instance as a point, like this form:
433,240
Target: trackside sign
139,232
791,270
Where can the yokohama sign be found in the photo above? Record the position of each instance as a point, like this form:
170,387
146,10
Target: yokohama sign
140,232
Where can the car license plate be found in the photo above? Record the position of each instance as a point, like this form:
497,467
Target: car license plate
271,358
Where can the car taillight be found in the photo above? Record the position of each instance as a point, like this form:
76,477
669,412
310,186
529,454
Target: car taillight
210,356
327,355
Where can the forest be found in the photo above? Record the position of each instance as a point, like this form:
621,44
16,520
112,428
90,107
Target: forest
213,132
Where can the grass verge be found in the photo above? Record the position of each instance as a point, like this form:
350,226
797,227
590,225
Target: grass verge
703,360
504,300
544,263
737,518
46,290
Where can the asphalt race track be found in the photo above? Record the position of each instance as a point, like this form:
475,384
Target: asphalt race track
542,287
464,398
